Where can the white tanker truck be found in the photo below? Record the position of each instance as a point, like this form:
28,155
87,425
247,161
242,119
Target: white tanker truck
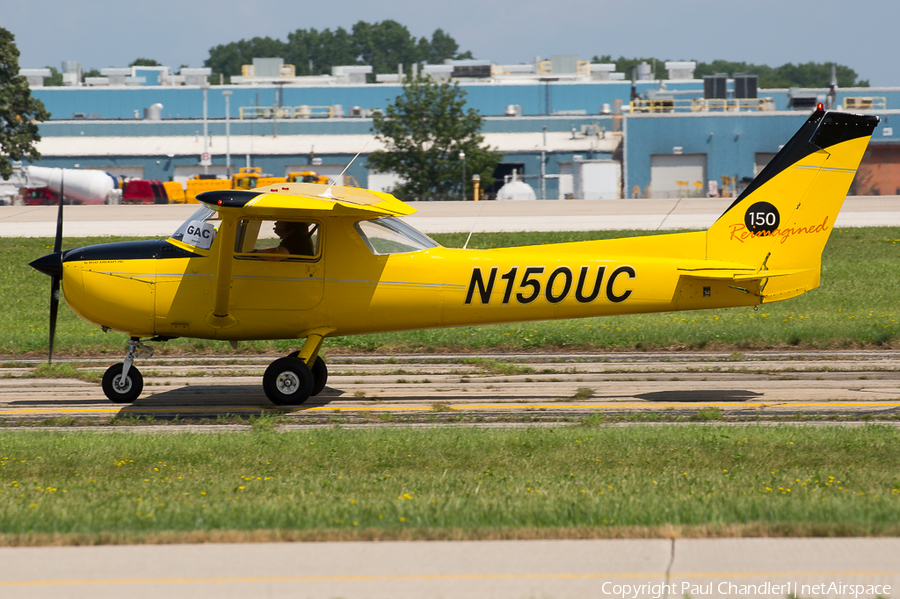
81,186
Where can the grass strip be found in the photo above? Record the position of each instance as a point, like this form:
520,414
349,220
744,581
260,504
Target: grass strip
855,307
572,482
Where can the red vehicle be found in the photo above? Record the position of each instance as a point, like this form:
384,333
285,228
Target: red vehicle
39,196
138,191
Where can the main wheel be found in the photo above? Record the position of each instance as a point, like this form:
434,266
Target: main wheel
319,373
288,382
120,390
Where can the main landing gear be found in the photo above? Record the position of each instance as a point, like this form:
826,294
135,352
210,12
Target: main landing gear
288,381
292,380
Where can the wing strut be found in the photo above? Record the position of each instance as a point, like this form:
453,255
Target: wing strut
220,316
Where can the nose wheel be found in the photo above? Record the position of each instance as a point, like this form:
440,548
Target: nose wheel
119,388
123,383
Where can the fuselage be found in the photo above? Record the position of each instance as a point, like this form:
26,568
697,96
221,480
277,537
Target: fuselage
166,288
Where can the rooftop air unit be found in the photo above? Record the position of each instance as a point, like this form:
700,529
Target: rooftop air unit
715,87
745,86
471,69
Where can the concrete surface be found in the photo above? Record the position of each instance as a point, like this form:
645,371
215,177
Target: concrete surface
445,217
473,569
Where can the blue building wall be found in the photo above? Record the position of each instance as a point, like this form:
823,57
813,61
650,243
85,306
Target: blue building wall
187,102
729,141
536,98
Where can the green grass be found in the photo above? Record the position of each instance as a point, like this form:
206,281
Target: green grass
855,307
449,483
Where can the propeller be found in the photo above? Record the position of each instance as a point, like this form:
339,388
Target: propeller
51,264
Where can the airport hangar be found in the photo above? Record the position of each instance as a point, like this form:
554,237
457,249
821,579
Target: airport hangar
568,128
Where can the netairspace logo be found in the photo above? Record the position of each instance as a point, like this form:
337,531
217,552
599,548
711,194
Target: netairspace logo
660,590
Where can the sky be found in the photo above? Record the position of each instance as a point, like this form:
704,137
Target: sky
101,33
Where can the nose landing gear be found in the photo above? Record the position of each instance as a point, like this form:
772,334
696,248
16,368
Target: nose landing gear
123,383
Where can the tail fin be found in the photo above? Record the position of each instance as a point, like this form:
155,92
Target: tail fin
781,222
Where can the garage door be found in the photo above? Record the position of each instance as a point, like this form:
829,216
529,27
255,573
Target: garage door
677,175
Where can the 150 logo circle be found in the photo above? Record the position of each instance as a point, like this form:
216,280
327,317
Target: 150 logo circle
762,217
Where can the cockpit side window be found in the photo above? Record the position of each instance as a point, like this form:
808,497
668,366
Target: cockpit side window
199,230
391,235
277,240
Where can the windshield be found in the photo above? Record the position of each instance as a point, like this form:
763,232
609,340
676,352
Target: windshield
199,229
391,235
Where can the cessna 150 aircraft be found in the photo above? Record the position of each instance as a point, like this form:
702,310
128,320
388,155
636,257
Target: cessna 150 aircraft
354,267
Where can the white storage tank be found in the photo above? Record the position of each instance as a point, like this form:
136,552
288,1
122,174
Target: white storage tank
516,190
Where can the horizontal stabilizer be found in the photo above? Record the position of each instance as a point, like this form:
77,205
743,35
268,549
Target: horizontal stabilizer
737,275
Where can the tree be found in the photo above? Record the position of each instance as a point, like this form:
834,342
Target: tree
228,59
18,110
382,45
314,53
442,47
90,73
424,131
144,62
810,74
55,79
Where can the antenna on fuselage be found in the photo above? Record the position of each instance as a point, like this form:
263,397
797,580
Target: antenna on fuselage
475,223
327,192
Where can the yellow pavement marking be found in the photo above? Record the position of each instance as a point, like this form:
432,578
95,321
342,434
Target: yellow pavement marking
437,577
336,578
518,406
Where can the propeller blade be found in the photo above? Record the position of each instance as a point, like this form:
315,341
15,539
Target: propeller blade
54,310
57,245
55,279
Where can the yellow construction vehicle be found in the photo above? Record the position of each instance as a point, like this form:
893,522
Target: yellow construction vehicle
307,177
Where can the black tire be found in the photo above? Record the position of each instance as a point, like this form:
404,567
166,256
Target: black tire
119,391
320,375
288,382
319,372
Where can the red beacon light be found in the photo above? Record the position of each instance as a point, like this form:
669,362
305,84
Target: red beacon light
820,106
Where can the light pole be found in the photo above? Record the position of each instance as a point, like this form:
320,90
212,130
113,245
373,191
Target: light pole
462,156
205,88
227,95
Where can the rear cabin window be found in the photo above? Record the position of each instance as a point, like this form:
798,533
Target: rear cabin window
391,235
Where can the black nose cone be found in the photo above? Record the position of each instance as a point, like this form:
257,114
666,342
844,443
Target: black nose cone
51,264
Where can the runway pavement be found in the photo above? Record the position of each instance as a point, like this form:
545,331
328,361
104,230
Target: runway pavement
557,569
498,387
446,217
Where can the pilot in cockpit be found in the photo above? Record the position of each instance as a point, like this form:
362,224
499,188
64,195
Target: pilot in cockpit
296,240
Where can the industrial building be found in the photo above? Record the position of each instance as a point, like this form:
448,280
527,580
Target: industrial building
568,128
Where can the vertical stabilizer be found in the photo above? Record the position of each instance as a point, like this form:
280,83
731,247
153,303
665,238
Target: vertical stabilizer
782,221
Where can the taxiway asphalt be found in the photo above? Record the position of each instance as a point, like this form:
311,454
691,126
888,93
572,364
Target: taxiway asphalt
502,387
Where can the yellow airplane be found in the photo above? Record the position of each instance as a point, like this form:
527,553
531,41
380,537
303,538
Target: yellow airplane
346,264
